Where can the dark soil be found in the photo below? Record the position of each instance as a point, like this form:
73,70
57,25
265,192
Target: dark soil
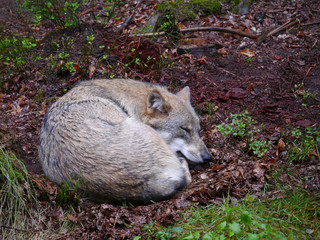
269,86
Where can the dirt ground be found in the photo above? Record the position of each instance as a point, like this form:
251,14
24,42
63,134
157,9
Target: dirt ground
270,86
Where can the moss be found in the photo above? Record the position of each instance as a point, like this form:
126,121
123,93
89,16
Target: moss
179,8
206,6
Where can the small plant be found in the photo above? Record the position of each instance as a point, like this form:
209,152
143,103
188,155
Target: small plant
90,39
303,144
67,196
63,13
249,60
69,66
259,148
207,109
302,95
162,233
169,25
211,108
112,10
60,61
15,53
242,126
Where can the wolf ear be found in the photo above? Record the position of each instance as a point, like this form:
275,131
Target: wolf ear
157,103
184,94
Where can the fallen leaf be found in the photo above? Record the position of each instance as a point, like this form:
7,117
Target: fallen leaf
222,51
192,41
237,93
281,145
73,219
92,70
76,66
277,57
202,61
304,123
56,214
181,26
204,176
248,52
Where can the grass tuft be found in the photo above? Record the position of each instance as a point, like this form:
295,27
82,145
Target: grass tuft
15,194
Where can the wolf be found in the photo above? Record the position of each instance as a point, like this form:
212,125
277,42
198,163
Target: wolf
122,140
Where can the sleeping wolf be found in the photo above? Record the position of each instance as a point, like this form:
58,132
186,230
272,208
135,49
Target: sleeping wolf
123,139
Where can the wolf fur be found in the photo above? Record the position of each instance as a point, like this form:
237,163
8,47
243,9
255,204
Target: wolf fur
124,140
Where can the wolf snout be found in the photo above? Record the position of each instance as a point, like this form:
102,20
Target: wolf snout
206,156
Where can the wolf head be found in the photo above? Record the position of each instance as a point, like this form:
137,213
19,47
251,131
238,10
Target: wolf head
173,117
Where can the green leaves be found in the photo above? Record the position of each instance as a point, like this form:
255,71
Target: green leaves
234,228
242,126
62,13
246,218
303,144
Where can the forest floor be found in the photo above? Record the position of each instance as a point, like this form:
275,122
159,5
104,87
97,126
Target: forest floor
276,81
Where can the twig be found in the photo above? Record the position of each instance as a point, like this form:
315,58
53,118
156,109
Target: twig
288,24
147,34
314,44
265,34
311,23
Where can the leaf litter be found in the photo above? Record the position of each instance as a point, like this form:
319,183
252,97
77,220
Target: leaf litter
263,85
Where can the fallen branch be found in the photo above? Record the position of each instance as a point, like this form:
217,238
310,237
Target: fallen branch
204,29
265,34
220,29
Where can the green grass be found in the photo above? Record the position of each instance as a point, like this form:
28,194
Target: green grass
15,194
294,215
21,215
302,144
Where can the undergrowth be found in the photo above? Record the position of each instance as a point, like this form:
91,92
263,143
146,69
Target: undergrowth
291,215
15,54
20,214
179,10
63,13
242,126
16,195
303,144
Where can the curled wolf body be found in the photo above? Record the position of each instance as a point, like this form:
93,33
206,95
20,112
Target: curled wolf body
123,139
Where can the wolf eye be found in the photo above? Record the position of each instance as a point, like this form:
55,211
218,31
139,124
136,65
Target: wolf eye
187,130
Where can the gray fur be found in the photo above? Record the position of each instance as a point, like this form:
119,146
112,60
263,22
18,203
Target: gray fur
115,136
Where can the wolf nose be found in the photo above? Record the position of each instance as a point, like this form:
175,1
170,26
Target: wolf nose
206,156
